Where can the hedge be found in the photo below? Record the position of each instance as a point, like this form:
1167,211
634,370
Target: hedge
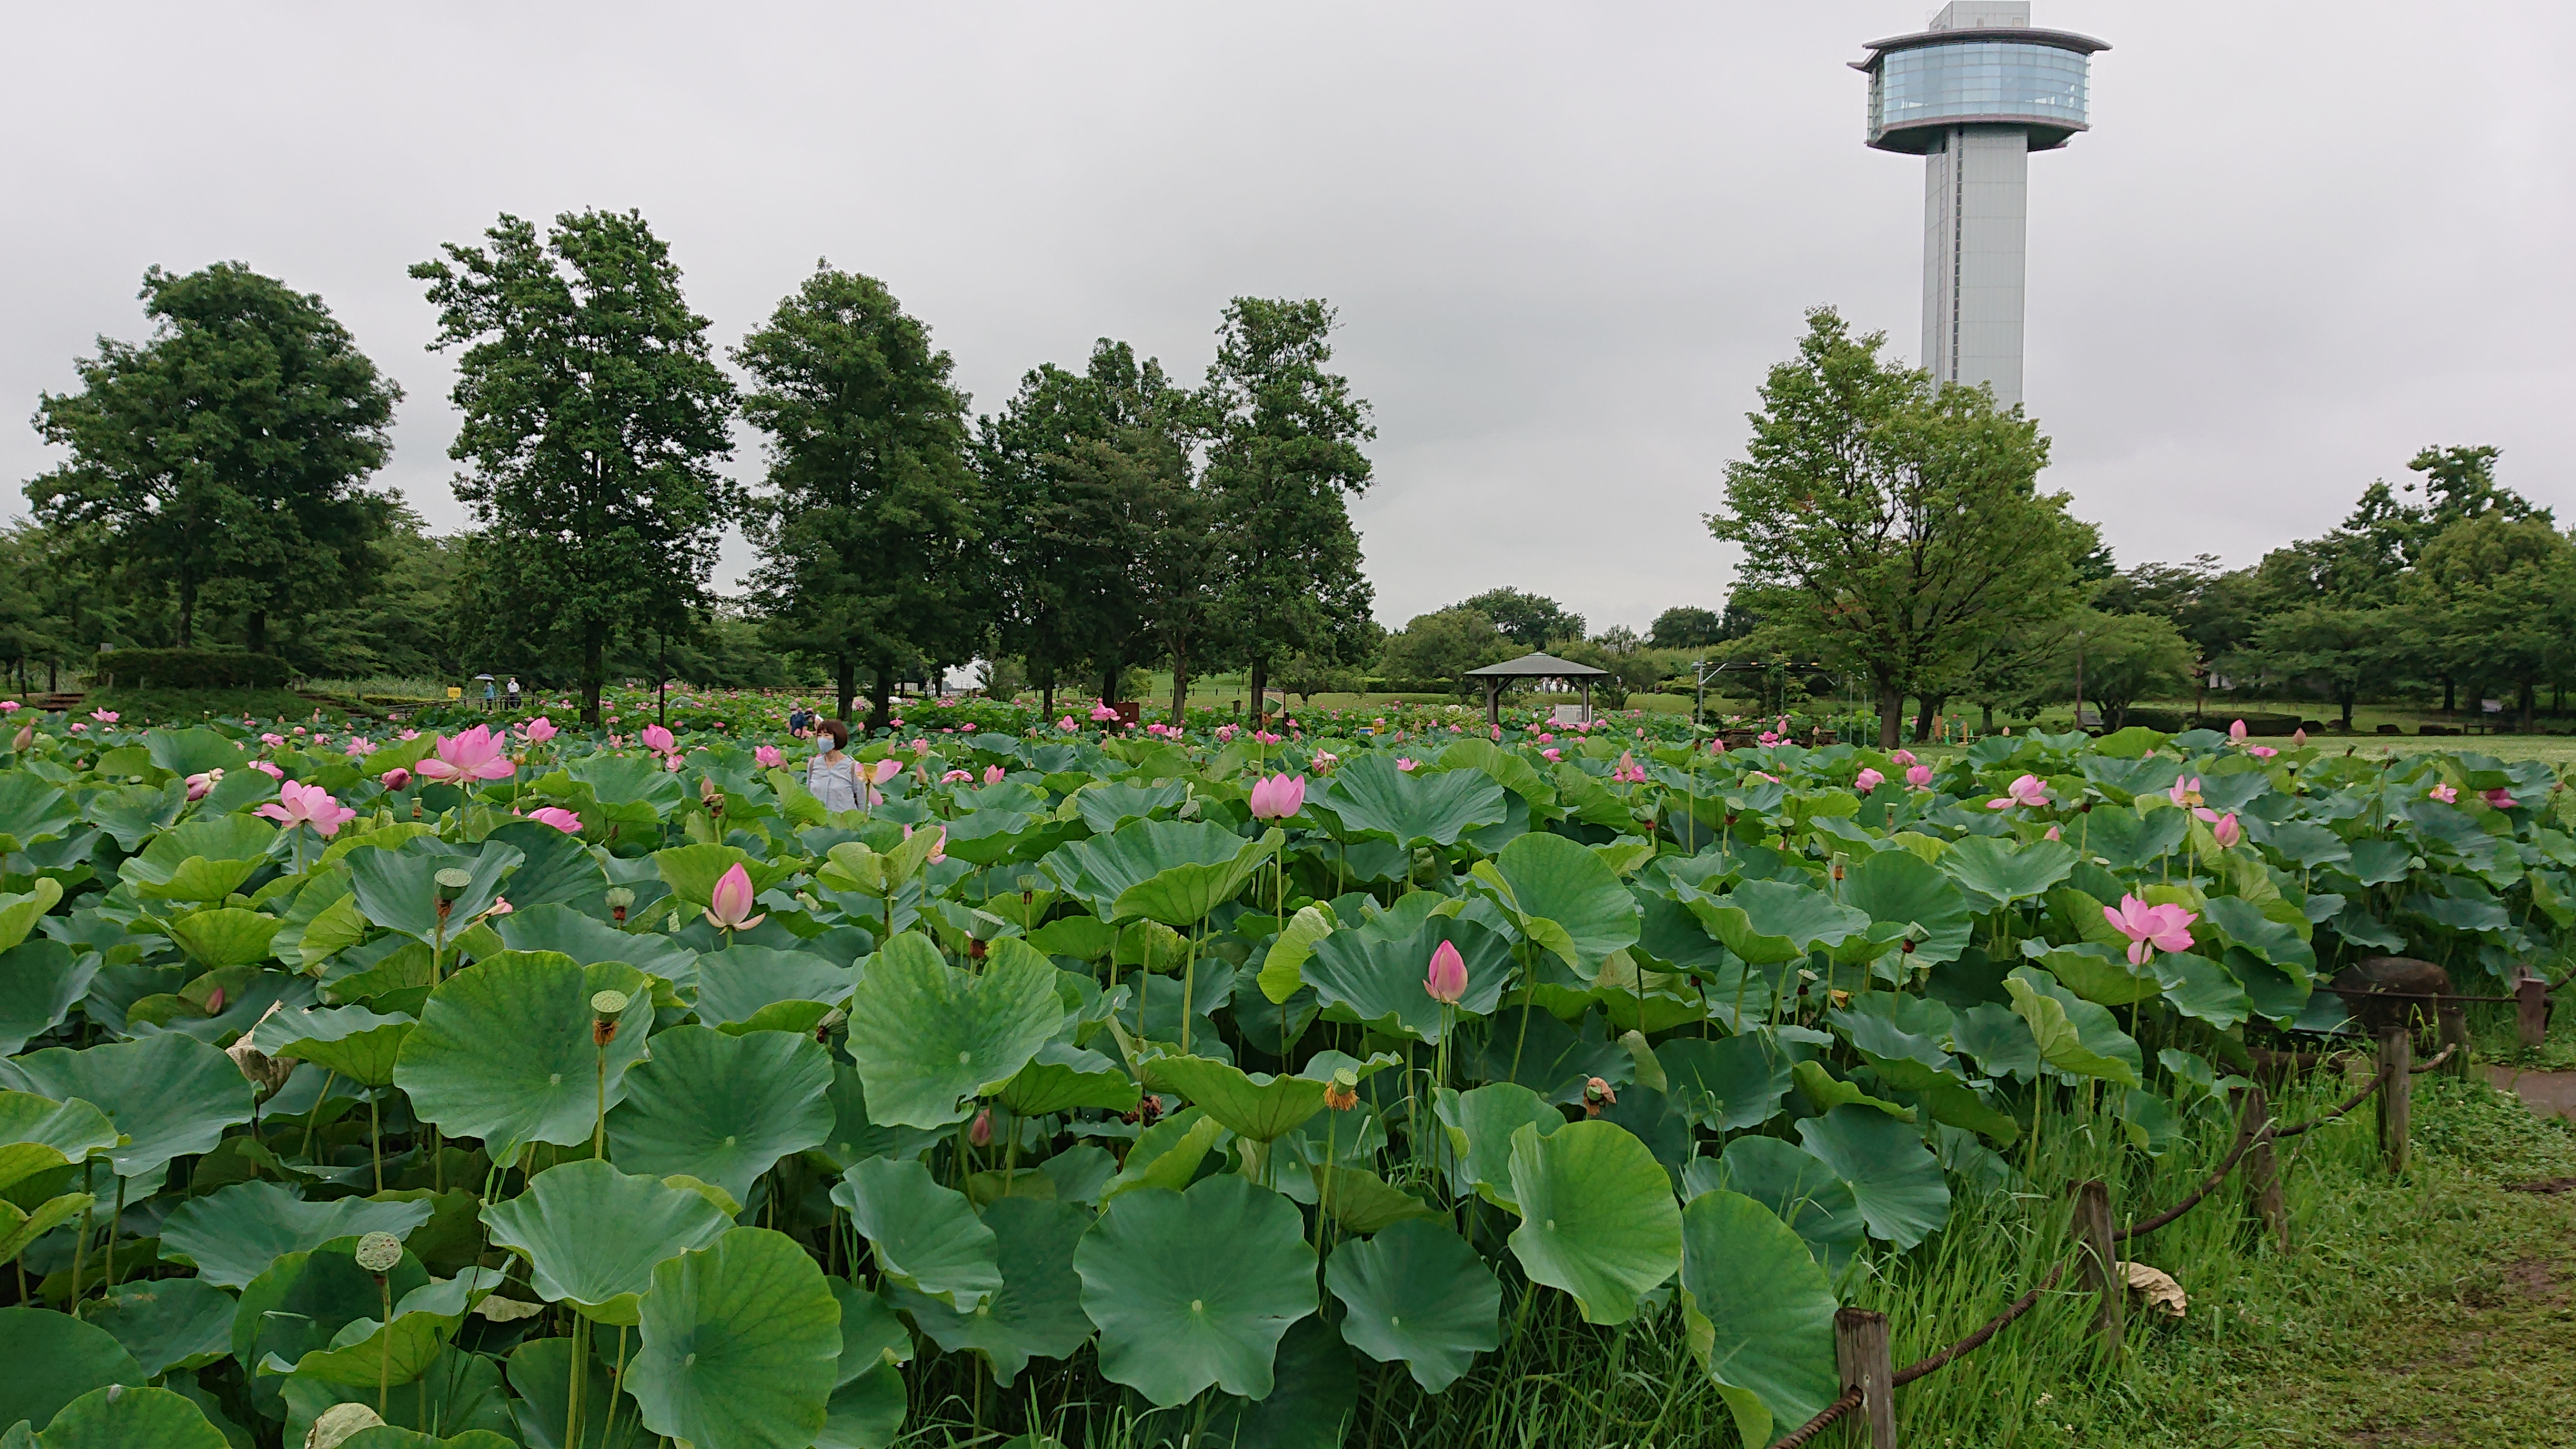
192,669
2175,721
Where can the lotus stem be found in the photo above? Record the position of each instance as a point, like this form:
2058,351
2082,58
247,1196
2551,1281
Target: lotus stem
385,1350
376,1137
115,1222
80,1245
1189,979
314,1117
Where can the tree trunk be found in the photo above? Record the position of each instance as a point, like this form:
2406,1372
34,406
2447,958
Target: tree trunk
1180,688
1260,682
847,688
2344,701
258,631
1923,720
594,644
880,694
187,613
1891,714
1046,697
1988,706
2450,695
2530,700
1110,669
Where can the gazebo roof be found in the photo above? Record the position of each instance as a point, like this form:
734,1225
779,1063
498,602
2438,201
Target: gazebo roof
1537,666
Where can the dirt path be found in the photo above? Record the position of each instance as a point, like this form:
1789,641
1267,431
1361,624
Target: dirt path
2551,1094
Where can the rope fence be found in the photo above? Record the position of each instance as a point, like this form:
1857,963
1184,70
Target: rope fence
1868,1382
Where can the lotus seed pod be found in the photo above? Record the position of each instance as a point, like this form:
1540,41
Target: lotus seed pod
339,1423
609,1003
378,1253
452,879
619,897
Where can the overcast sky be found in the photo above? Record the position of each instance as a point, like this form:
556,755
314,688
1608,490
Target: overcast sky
2302,241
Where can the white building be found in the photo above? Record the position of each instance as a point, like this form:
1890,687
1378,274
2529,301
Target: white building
1974,95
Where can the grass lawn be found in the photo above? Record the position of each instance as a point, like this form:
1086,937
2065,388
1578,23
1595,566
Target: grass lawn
195,706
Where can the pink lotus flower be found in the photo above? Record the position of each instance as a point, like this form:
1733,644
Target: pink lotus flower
79,727
1628,771
2225,830
500,907
103,716
1446,981
1717,747
1868,780
884,770
954,777
1547,739
730,908
472,755
2150,928
2445,793
995,774
1067,725
2184,791
2236,732
308,805
1406,764
2500,797
2028,791
1768,739
1765,779
539,730
273,741
558,817
199,784
1550,755
938,848
1102,713
10,706
395,778
920,747
658,740
265,768
767,757
1902,757
358,747
2261,752
671,763
1919,776
1278,797
408,735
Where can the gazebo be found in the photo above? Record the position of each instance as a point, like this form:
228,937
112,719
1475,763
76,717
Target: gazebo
1533,666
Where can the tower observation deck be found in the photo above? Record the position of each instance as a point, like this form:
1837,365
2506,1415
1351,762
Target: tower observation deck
1974,95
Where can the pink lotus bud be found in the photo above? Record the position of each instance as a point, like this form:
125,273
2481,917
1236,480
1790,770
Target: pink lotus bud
1919,776
981,1132
730,909
2501,798
2237,731
396,778
994,774
558,817
1447,979
1278,797
767,757
1902,757
1868,780
265,768
658,739
2226,831
2299,736
26,737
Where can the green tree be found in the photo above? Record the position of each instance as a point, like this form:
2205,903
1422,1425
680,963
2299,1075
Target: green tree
1686,627
2339,650
1443,646
1283,435
868,532
2494,600
594,417
1533,621
226,457
2123,658
1888,524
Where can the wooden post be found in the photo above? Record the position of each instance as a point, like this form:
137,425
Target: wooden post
1861,1352
2531,1010
2101,1266
2396,1094
2262,1170
2454,1021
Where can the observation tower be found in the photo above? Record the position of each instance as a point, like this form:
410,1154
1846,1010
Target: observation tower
1974,95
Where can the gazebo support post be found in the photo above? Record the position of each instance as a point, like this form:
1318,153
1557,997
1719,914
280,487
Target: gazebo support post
1493,706
1587,701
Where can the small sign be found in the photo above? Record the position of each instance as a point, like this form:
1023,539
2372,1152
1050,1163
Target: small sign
2491,706
455,691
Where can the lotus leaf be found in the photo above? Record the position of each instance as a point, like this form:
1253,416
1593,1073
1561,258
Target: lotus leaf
926,1237
170,1095
397,889
735,983
1365,977
927,1037
1768,922
1759,1312
145,1418
1997,872
722,1108
739,1344
1192,1289
561,928
1037,1311
1730,1083
38,1134
592,1235
350,1040
1370,796
1895,887
1598,1218
1479,1125
1563,898
168,1323
53,1359
1894,1178
40,982
1417,1293
1171,871
1794,1183
227,937
504,1052
1061,1078
231,1235
2075,1036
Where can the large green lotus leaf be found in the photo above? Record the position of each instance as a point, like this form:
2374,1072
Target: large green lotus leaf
1417,1293
986,837
1062,1077
2200,988
20,1228
1037,1312
1760,1313
398,888
357,1043
927,1237
590,941
866,1412
136,813
1895,887
739,1345
1106,806
627,780
1769,921
541,1371
365,1351
1895,1179
299,1304
2241,922
1479,1125
232,1234
201,860
1363,1202
691,871
722,1109
872,1334
554,868
32,809
927,1037
1195,1288
1186,891
1255,1105
853,1135
228,937
2127,841
504,1050
735,983
1548,878
194,750
1900,1035
1997,872
168,1323
170,1095
1313,1394
1538,1051
38,1134
1793,1182
40,982
1370,796
2094,972
1598,1218
2075,1036
1366,977
53,1358
1168,1153
1193,859
1730,1083
592,1235
131,1419
386,1436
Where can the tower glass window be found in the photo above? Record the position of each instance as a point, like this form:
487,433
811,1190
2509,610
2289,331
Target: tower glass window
1996,80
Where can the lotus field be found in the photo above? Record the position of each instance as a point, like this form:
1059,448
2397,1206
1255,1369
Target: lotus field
546,1089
